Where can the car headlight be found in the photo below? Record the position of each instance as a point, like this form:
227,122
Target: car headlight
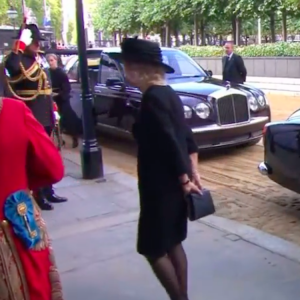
261,100
202,110
187,112
253,103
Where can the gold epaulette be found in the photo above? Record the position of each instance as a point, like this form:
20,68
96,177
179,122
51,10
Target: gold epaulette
42,86
26,74
47,91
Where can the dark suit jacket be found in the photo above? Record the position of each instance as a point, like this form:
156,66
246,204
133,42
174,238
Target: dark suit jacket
234,70
164,142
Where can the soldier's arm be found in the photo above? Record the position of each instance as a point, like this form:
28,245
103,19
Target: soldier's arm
12,61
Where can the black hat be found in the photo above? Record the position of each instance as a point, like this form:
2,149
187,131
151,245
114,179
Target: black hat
36,34
143,51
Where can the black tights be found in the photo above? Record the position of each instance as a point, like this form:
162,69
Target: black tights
171,271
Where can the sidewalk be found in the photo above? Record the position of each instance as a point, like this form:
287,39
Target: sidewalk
94,238
274,85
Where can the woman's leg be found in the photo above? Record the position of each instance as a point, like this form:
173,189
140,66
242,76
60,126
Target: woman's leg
179,261
166,274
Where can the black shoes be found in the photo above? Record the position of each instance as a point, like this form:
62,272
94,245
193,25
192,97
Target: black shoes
44,204
56,199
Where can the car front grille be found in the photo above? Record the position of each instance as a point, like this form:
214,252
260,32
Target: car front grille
233,109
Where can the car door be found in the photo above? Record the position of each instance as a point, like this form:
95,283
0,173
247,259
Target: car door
110,95
282,150
72,71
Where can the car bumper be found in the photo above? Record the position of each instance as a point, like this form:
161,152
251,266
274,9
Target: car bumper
264,169
215,136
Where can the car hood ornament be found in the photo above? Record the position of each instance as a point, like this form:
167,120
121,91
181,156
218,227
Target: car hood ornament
228,85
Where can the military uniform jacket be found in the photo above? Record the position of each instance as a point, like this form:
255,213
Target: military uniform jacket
28,80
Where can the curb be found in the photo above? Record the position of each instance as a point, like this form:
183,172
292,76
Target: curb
255,236
247,233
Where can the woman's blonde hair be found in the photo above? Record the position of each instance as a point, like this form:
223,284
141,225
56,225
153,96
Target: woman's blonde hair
149,74
51,55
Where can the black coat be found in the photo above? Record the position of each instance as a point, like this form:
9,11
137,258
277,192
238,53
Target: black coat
26,87
164,144
60,85
234,69
70,122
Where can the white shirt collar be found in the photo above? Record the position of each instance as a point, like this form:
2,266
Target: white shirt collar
230,55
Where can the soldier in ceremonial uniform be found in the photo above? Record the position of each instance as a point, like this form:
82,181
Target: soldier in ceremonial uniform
28,80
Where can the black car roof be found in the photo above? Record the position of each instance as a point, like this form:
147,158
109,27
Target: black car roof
91,50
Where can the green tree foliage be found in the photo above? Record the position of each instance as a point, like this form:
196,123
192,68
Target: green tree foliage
70,33
3,15
38,10
56,16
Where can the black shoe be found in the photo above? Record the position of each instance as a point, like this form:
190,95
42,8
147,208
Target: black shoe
44,204
74,142
56,199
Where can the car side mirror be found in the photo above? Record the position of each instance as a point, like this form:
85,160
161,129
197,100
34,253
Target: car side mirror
209,73
114,82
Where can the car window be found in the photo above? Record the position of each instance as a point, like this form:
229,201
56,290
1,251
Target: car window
70,62
73,71
108,69
183,65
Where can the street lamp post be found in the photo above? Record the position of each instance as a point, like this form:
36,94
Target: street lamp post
91,154
12,15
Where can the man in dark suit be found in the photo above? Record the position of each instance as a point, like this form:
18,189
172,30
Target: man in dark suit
233,65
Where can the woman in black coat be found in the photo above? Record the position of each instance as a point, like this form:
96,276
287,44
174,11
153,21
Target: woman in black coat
70,122
167,166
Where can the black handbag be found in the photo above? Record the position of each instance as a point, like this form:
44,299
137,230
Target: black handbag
200,205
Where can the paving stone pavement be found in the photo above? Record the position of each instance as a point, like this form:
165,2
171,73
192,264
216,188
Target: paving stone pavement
94,237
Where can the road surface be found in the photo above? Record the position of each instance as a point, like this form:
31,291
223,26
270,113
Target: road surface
240,192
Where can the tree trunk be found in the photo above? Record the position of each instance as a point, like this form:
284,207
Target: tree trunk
163,36
143,32
168,35
119,36
176,35
221,40
238,28
272,27
202,32
196,30
115,39
284,27
191,38
183,39
233,24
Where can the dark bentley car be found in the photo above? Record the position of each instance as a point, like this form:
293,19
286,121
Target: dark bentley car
282,152
219,114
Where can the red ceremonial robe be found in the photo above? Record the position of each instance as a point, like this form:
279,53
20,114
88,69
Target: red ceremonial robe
28,160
